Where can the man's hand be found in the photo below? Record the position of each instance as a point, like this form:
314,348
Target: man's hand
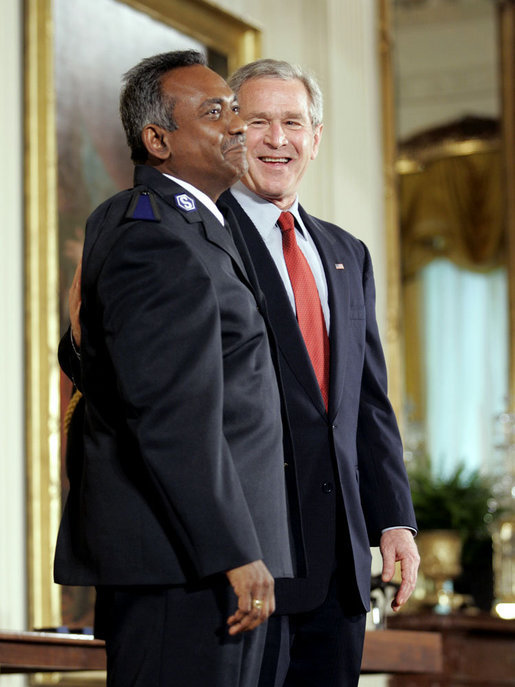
399,545
74,302
254,587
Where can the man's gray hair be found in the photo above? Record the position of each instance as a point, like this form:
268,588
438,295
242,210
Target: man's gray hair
142,101
279,69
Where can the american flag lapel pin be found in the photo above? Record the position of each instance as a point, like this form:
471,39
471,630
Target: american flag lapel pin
339,266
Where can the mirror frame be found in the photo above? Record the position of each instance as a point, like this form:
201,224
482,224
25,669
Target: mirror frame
506,32
505,10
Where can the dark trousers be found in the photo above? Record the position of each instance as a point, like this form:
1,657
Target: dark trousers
321,648
176,637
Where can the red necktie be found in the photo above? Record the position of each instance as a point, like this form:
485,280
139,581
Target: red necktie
310,315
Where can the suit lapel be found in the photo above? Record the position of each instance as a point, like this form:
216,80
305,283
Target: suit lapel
280,313
234,229
339,304
222,237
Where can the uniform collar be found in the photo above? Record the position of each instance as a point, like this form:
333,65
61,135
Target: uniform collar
199,195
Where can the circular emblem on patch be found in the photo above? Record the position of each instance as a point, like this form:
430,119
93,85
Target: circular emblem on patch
185,202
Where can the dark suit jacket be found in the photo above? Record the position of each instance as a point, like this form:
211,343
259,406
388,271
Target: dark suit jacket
182,474
349,462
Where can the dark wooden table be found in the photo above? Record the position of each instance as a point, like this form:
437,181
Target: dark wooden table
477,650
42,652
386,651
401,651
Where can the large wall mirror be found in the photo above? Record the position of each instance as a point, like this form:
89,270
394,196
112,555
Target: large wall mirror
448,70
450,182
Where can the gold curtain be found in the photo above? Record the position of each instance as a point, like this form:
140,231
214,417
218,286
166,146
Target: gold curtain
453,209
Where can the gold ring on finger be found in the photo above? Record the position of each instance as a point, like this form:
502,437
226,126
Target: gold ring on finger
257,603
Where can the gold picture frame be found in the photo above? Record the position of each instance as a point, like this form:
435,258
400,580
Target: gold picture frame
224,33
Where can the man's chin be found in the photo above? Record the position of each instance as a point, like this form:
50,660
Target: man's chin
268,191
238,163
240,171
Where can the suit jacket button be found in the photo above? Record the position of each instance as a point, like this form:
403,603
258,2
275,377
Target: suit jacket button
327,487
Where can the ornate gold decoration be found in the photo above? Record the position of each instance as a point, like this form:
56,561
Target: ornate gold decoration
393,351
224,32
506,22
440,553
41,304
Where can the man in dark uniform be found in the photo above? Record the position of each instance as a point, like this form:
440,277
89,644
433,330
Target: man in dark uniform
178,516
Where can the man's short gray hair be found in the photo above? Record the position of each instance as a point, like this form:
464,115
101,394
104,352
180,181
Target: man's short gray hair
279,69
142,100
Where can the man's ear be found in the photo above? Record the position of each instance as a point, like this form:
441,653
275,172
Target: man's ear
317,136
155,140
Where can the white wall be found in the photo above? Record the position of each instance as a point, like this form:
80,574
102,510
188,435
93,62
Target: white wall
12,486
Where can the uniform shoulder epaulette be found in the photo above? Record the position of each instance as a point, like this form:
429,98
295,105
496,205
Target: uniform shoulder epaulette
143,206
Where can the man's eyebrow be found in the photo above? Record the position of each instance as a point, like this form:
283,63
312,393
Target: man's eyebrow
268,115
258,115
217,101
210,101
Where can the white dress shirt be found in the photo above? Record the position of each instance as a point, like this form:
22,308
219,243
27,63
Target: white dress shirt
264,216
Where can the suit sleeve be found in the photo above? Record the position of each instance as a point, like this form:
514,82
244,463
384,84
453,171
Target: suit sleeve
162,327
384,486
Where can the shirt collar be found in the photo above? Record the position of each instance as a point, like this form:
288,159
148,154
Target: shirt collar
199,195
263,213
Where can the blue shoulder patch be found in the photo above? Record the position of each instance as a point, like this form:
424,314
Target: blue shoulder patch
143,206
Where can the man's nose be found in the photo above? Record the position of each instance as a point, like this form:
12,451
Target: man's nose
237,125
275,135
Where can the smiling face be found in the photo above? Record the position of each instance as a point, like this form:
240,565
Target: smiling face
208,147
280,137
